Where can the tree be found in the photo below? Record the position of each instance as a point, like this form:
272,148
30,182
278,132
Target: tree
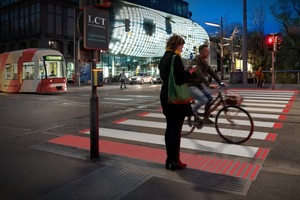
256,38
287,13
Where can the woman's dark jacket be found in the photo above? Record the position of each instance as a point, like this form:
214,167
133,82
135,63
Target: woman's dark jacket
181,77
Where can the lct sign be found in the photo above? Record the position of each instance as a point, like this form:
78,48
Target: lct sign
95,32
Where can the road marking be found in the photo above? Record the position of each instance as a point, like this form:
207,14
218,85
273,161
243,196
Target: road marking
206,130
201,145
263,101
118,99
199,162
264,105
239,122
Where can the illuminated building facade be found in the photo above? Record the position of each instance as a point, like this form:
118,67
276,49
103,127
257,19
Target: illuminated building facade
52,24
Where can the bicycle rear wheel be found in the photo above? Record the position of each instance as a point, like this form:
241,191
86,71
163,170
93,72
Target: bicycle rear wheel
188,126
237,122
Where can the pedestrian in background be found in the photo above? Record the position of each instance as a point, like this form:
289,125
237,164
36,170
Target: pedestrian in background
260,76
123,79
174,113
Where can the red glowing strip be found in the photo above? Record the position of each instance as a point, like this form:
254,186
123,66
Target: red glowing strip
247,171
208,164
282,117
218,161
84,131
227,167
286,111
241,169
143,114
120,121
255,172
271,136
234,168
221,167
277,125
203,162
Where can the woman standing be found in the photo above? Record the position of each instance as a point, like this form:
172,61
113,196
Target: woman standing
174,113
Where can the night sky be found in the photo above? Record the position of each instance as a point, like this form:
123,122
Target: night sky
231,11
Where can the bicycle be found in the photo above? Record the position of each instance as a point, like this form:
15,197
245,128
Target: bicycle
236,131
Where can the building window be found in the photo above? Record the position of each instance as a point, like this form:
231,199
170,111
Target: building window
70,49
56,44
22,45
70,22
54,20
12,47
33,44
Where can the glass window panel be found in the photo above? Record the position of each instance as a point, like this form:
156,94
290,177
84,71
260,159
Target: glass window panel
28,70
38,23
70,25
7,72
50,8
50,23
15,71
58,26
37,7
58,10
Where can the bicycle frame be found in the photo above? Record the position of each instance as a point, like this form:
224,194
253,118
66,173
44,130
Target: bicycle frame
215,103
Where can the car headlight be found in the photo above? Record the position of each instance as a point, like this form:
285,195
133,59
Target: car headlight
154,79
138,79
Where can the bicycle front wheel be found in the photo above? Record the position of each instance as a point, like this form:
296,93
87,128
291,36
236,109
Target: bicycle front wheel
188,126
237,122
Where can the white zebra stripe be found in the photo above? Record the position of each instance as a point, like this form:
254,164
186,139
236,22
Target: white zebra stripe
200,145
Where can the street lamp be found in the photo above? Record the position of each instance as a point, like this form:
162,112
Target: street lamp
221,43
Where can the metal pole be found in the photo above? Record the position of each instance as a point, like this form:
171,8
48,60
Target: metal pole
94,112
94,115
221,49
273,70
74,47
245,52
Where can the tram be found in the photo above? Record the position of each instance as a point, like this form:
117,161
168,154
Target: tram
33,70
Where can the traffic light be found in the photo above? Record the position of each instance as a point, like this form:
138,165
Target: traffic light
127,25
279,41
270,42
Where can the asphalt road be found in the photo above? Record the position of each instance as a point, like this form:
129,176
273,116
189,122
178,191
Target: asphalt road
27,120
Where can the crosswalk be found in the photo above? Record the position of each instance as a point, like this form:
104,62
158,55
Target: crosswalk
203,149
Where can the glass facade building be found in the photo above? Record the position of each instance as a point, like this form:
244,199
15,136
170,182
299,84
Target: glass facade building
52,24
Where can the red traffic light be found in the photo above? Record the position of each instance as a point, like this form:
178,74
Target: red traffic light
270,42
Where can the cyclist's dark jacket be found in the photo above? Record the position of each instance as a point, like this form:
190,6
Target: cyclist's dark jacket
202,70
180,78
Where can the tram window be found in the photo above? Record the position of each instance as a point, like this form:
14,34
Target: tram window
7,71
54,69
15,70
28,70
42,74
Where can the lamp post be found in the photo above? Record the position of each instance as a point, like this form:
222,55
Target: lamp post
221,43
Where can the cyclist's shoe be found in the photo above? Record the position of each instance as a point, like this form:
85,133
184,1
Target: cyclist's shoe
207,121
198,123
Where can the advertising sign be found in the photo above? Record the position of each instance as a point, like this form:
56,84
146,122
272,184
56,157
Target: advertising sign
95,25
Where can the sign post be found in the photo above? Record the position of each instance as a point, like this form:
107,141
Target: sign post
95,38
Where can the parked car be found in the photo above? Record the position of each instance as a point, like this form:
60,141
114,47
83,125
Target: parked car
140,78
156,79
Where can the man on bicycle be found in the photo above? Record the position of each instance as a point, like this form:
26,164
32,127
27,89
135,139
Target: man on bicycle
199,77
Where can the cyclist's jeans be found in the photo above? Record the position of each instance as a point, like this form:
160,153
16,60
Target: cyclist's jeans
199,96
209,98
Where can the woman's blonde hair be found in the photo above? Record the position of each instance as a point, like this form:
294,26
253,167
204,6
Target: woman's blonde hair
174,41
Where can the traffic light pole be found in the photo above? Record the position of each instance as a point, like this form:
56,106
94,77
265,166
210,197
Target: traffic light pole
94,112
273,70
